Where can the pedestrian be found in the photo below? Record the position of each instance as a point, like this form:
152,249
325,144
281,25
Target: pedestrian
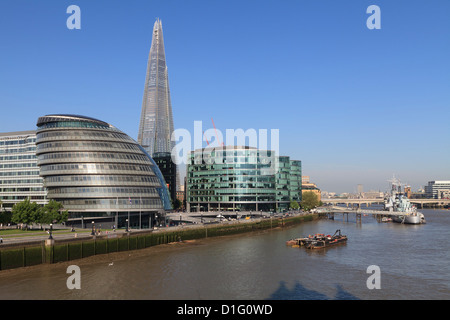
1,240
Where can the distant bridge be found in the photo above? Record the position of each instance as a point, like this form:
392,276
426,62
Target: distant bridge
368,202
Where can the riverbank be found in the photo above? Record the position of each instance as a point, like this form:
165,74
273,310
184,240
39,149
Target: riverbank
70,249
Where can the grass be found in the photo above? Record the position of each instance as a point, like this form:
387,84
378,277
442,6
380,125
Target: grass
10,233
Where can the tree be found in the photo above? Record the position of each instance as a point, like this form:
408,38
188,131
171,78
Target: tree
309,200
25,212
294,204
52,212
176,204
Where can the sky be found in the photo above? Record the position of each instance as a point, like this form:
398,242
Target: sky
355,105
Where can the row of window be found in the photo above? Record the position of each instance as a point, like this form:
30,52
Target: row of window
23,197
232,186
16,142
18,165
105,191
92,156
102,178
29,189
72,124
113,203
19,150
23,181
233,199
95,168
83,133
109,146
18,173
21,157
230,191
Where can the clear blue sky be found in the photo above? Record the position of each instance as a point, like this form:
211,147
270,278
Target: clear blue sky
355,105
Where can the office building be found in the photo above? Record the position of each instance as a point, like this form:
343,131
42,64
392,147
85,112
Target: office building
241,179
437,189
168,170
99,173
19,173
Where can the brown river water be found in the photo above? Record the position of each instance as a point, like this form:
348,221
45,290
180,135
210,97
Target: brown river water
413,263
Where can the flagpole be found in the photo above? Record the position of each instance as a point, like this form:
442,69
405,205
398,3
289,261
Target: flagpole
128,225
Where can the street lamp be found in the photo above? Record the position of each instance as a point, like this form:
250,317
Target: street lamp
93,226
50,232
127,230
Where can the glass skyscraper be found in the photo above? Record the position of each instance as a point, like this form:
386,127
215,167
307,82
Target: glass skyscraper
156,123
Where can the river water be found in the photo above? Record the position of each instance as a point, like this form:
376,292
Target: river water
413,263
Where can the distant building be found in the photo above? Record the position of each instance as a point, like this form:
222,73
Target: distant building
19,173
242,180
309,186
168,170
437,189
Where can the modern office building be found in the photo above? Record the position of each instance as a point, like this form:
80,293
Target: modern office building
241,179
156,123
437,189
99,173
19,173
168,170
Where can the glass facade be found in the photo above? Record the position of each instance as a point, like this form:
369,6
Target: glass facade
240,179
97,171
19,173
168,170
156,123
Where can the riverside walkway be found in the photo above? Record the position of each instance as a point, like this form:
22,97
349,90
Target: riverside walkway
14,236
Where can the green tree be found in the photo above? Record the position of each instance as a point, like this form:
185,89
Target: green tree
25,212
294,204
176,204
309,200
52,212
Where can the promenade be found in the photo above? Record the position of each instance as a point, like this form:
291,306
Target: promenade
13,236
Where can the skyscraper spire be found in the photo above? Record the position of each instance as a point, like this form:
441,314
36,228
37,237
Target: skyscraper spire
156,124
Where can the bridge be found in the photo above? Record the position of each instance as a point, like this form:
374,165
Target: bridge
214,216
358,202
331,210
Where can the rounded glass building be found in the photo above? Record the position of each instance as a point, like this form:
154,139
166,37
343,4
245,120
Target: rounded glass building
99,173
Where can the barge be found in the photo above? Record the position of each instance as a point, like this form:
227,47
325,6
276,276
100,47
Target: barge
322,241
318,240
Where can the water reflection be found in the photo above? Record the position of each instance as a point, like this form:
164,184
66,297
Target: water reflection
300,292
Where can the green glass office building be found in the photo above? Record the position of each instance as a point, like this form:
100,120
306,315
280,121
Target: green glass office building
241,179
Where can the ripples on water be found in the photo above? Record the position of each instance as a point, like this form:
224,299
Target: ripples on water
413,262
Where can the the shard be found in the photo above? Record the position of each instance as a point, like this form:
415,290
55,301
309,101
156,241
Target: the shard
156,124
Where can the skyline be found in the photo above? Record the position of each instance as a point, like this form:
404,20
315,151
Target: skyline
354,105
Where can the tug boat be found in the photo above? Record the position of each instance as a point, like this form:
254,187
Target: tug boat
322,241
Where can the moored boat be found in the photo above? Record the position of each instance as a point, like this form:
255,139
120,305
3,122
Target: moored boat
322,241
400,208
297,242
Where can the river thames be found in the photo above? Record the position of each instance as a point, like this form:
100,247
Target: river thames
413,261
